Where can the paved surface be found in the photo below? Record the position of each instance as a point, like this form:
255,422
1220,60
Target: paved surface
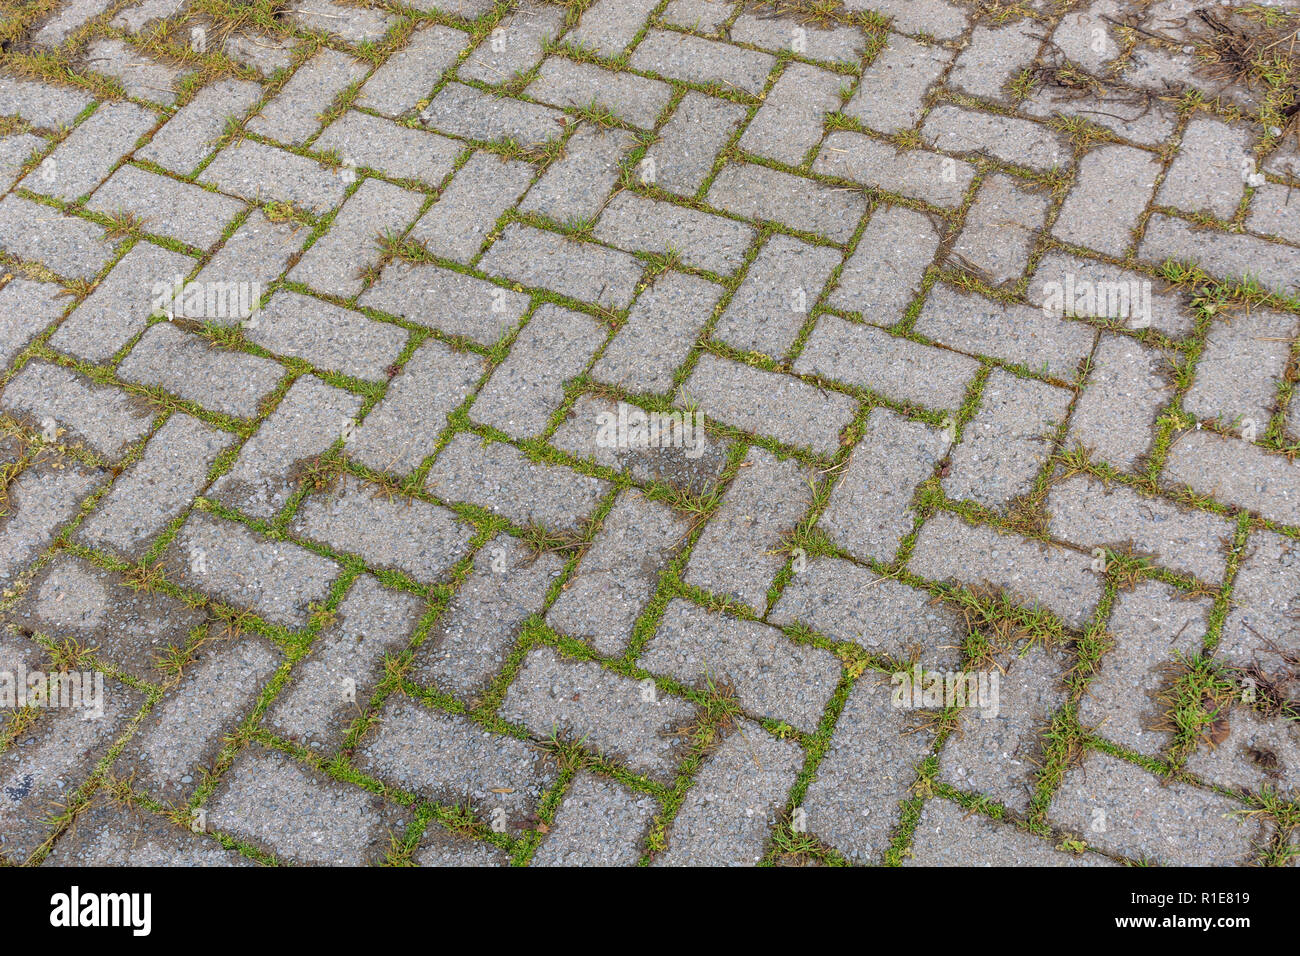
554,433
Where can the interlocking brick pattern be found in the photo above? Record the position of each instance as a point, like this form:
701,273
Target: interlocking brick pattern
557,432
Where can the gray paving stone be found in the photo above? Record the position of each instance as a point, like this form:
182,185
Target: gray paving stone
472,114
133,18
772,304
1087,37
952,129
299,814
307,421
448,758
936,18
1002,226
263,174
1153,625
1235,473
608,26
914,173
15,150
702,16
1066,285
599,823
1240,368
256,253
569,84
157,489
1136,115
353,24
498,477
442,847
70,246
547,260
514,45
575,186
993,57
859,354
1115,417
26,309
727,818
406,77
848,602
51,107
104,419
222,380
869,511
468,209
1035,574
690,141
1206,175
468,645
891,95
109,833
1223,255
390,148
619,718
1120,808
770,403
83,160
276,579
328,336
789,123
448,301
950,835
39,501
740,551
1112,189
143,78
618,573
166,206
868,769
1004,447
1273,213
190,135
419,539
756,192
816,41
681,56
906,241
1260,626
659,334
260,52
703,240
1256,753
526,389
332,685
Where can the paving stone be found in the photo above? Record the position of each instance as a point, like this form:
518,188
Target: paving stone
998,752
1235,473
681,56
449,301
26,309
448,758
103,419
995,55
1240,368
914,173
336,260
186,730
703,240
608,26
1014,333
862,355
1020,142
906,241
1153,626
618,573
121,304
1118,807
599,823
771,305
1066,285
770,403
466,112
299,814
498,477
527,388
353,24
572,85
166,206
514,45
581,270
869,510
1223,255
471,640
39,501
412,72
50,107
771,676
1206,175
575,186
83,160
1136,115
727,818
222,380
157,489
848,602
15,150
395,437
1115,417
141,77
276,579
442,847
264,174
816,41
869,768
133,18
789,123
305,424
891,94
936,18
390,148
70,246
702,16
694,464
191,134
1004,446
1256,753
256,253
260,52
1260,626
1272,212
741,549
690,141
1035,574
623,720
332,685
659,334
109,833
328,336
130,629
419,539
757,192
1112,190
951,835
1001,228
468,209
